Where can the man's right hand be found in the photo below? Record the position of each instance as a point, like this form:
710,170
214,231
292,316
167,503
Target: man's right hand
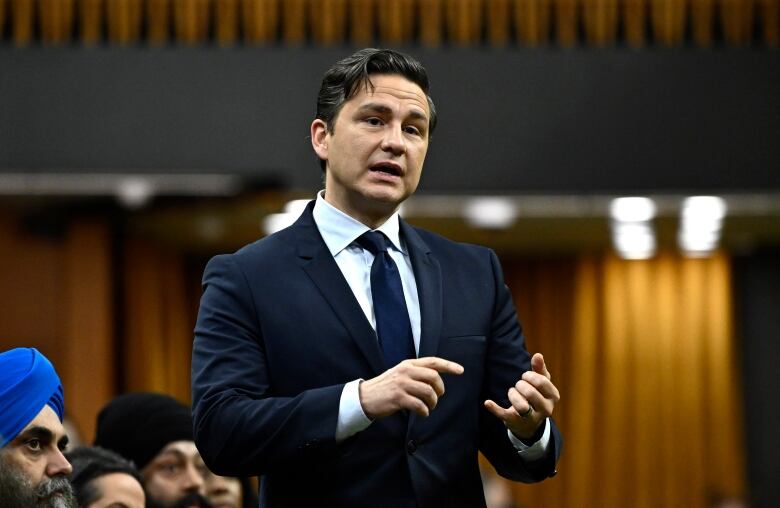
415,385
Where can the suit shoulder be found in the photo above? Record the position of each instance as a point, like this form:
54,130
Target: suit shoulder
270,248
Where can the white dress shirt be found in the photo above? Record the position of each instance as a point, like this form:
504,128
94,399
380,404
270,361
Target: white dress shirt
339,231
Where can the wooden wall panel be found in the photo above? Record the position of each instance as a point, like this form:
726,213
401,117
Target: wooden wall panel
328,21
396,21
89,363
22,16
259,20
532,21
90,15
56,295
226,16
124,21
430,19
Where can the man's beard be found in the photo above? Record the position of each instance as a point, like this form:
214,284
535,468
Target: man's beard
193,499
17,491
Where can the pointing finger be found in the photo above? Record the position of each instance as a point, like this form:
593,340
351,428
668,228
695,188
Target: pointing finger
439,365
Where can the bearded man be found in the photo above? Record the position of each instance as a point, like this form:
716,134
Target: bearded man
33,469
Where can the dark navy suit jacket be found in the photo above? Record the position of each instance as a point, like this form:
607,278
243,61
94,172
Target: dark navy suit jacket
280,332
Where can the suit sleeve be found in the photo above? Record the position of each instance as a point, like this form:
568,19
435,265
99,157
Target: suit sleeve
506,361
240,427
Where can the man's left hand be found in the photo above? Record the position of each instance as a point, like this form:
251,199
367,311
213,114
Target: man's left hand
533,399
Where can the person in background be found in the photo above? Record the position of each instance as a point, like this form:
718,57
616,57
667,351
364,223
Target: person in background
103,479
33,469
224,491
155,432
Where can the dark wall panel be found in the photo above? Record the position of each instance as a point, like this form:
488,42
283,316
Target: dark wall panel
511,120
757,283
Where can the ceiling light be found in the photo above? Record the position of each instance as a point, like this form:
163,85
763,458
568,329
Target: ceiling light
701,222
632,209
490,212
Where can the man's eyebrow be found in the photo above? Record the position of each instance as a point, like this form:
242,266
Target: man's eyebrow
417,115
178,454
381,108
376,108
37,432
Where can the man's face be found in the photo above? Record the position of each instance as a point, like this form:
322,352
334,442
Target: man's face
375,154
118,490
33,469
176,473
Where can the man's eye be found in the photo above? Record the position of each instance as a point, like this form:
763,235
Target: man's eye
373,121
171,468
411,129
34,445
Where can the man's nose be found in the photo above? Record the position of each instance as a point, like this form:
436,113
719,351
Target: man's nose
393,140
58,465
193,480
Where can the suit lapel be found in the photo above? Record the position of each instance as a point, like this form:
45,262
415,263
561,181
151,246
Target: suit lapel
427,275
319,264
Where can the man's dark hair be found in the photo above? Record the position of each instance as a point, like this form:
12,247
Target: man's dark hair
346,77
90,463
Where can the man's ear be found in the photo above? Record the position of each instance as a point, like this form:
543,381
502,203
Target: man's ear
319,138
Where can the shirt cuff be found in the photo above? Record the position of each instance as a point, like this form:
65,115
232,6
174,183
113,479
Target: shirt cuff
536,450
352,419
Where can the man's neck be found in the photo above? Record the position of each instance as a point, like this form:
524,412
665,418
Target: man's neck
369,213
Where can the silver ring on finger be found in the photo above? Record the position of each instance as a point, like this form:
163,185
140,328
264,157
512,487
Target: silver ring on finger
527,413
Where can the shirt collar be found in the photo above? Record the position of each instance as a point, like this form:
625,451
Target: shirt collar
339,230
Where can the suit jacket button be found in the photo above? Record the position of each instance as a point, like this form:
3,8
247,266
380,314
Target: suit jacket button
411,447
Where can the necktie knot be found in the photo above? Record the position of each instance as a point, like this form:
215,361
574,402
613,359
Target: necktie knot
373,241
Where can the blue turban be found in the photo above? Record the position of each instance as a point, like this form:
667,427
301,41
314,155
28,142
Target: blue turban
27,383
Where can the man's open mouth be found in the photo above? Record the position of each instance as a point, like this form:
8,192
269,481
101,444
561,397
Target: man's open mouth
387,167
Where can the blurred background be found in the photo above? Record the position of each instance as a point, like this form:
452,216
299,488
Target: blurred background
140,137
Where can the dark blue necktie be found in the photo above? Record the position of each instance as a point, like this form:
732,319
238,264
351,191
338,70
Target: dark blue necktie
392,317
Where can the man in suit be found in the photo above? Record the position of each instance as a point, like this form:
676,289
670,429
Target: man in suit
354,360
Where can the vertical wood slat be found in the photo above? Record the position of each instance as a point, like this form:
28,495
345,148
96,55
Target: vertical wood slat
190,21
429,17
3,8
158,21
396,21
87,340
634,19
770,22
498,21
294,21
668,21
328,21
90,21
702,19
259,20
361,20
123,21
532,21
225,22
600,19
565,22
55,18
736,18
464,21
22,15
